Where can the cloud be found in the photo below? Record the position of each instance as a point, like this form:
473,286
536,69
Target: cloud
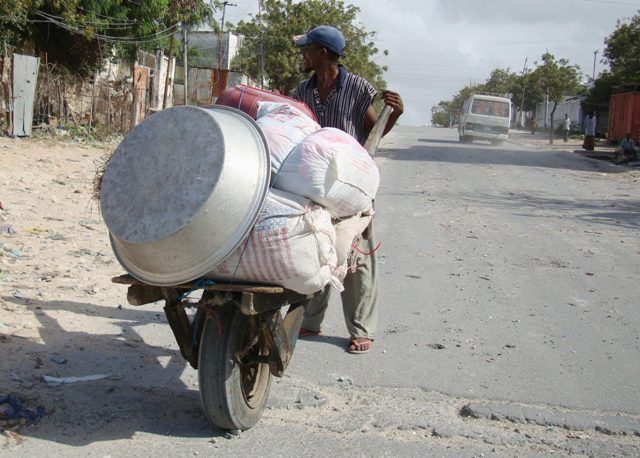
436,47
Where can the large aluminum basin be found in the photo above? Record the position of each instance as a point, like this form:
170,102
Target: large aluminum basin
183,190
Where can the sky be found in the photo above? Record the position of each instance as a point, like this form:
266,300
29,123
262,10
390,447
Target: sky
436,47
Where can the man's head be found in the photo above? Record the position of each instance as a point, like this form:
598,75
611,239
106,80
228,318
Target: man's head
566,116
320,44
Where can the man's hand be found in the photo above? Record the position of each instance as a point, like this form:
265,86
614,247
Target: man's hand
394,100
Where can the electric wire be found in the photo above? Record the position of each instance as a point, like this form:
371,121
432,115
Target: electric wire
111,38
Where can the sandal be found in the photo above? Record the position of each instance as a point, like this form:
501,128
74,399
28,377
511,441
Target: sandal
358,345
304,332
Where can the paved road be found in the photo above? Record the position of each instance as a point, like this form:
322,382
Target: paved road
509,326
522,264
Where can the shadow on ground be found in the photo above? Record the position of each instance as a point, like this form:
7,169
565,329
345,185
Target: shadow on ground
438,140
612,212
145,392
484,154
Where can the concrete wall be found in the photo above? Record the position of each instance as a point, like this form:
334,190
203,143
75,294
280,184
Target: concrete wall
569,105
209,55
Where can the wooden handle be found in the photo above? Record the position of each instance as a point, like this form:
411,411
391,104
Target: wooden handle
371,145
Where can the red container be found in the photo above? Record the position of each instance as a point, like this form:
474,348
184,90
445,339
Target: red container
624,116
246,98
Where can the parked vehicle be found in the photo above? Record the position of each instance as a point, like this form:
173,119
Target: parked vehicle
485,117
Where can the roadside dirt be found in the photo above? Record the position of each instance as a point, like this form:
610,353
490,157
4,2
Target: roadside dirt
55,268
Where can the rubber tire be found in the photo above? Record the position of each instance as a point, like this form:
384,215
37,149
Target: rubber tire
220,377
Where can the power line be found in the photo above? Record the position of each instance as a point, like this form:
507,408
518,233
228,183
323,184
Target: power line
110,38
103,24
104,16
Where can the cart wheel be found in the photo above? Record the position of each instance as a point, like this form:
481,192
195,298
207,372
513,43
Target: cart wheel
233,394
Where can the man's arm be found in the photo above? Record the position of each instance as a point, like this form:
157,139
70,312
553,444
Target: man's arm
392,99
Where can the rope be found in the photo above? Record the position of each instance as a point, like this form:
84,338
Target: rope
355,247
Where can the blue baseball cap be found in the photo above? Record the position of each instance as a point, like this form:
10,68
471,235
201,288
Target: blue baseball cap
325,36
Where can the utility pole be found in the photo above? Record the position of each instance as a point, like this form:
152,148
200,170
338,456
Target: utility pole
261,45
224,10
185,46
595,53
546,107
524,88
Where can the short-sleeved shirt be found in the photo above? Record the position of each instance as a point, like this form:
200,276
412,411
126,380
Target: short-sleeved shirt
345,106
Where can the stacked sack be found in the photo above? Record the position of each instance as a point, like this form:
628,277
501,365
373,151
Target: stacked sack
323,183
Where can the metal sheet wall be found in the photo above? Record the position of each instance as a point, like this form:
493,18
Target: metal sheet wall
25,77
624,116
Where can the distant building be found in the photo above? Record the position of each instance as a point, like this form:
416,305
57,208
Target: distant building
209,67
210,52
570,105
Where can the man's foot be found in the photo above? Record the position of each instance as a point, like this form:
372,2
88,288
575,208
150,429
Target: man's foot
304,332
359,345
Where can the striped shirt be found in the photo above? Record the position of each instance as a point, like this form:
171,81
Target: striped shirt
345,106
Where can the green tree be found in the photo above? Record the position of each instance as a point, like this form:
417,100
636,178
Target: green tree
441,114
271,35
14,23
622,54
529,84
556,78
622,50
500,82
79,34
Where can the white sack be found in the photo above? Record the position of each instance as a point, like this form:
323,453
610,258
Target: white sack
291,245
331,168
348,230
284,126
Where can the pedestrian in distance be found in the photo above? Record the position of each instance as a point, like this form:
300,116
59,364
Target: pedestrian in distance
344,101
626,151
566,127
590,132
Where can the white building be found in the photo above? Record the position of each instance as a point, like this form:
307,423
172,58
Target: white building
570,105
212,52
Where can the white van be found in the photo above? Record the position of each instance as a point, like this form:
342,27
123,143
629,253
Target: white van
485,117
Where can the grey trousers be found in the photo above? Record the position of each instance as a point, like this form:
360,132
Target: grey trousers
359,298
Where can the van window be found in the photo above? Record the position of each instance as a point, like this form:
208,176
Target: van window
490,108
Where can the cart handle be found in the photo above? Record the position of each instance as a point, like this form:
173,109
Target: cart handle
371,145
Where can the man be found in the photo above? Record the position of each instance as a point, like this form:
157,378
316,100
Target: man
343,100
626,151
566,127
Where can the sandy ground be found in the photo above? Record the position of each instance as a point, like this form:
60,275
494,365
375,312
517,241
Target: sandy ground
55,259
